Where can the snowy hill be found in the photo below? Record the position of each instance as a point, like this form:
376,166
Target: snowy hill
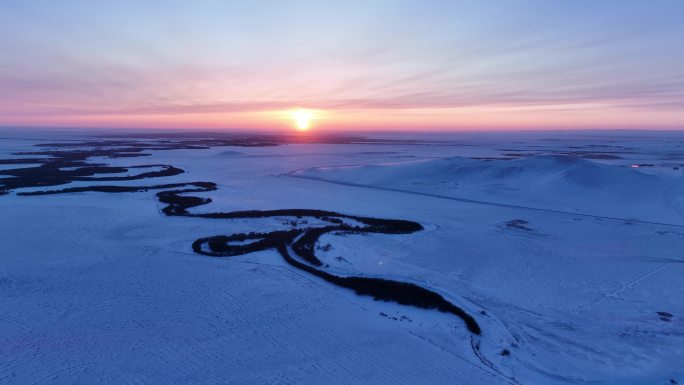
558,182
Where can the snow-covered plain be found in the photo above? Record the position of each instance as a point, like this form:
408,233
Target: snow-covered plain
564,246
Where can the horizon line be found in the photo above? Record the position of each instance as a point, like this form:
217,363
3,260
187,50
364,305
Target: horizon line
340,131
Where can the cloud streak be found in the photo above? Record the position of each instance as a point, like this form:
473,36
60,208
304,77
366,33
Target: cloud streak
204,62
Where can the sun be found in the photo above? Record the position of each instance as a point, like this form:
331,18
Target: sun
302,119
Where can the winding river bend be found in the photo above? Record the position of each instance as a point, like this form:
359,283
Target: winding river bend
64,163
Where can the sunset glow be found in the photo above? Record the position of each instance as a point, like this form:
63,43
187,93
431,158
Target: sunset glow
381,65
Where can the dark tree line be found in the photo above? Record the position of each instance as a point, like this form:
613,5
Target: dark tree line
58,167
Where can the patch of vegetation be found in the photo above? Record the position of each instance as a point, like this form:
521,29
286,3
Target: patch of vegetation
65,166
518,224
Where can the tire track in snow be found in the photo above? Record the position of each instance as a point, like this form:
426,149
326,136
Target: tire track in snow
630,284
476,201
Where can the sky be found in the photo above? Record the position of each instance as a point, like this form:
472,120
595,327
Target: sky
354,65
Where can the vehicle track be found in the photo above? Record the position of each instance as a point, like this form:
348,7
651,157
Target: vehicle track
475,201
